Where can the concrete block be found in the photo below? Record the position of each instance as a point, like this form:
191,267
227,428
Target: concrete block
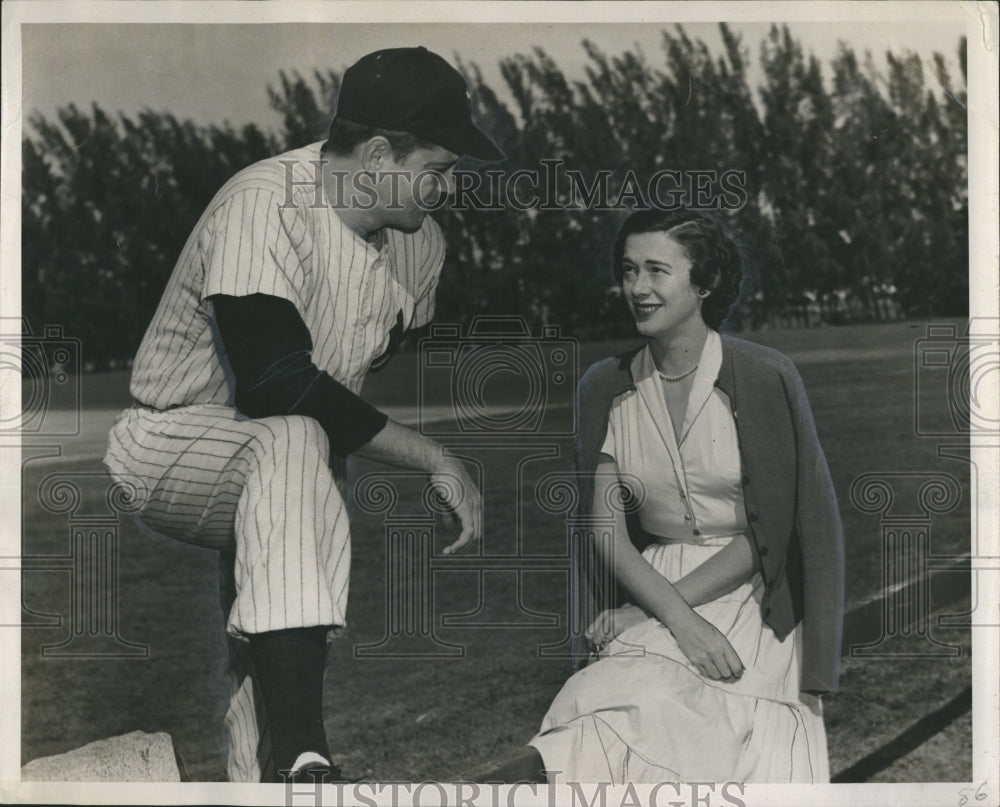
134,757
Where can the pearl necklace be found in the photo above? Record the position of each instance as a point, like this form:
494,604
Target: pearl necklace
685,374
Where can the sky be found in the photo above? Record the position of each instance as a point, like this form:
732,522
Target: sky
215,73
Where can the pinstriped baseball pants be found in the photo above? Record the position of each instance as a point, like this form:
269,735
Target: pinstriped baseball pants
264,494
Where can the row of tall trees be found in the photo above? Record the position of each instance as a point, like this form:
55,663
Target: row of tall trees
856,182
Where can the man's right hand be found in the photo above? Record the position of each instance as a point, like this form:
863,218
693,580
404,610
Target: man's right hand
400,445
456,491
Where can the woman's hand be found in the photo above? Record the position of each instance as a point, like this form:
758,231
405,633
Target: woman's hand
706,647
612,622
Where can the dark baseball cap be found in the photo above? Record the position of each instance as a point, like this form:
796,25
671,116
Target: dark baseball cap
414,90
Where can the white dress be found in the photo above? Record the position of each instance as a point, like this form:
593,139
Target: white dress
642,712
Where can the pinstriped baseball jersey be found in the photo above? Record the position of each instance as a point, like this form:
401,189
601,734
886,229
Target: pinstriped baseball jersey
264,232
268,490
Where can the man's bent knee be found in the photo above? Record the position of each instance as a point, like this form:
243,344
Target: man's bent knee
293,435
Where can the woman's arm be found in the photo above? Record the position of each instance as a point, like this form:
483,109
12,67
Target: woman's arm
729,568
647,587
726,570
699,640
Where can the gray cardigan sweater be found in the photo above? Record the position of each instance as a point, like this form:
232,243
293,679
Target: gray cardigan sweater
794,522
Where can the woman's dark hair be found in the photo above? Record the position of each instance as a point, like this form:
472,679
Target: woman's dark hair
715,258
345,135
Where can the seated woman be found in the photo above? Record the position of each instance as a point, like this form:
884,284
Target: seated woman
714,668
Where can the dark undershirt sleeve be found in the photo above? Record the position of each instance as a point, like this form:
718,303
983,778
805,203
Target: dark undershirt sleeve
270,352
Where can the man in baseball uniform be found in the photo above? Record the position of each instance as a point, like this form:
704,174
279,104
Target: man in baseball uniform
304,271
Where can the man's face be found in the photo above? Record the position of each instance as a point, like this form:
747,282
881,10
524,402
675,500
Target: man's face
419,182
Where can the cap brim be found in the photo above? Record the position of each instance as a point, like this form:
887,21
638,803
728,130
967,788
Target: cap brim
464,139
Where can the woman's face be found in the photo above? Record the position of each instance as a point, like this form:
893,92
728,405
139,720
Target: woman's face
656,282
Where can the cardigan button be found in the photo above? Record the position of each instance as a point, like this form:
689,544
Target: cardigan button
763,551
745,480
767,610
754,515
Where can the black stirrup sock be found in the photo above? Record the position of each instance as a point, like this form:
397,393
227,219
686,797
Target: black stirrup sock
289,670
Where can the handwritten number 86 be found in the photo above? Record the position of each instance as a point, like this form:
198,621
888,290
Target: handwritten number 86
979,795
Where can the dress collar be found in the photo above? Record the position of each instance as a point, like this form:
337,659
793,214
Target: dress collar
725,380
648,383
704,379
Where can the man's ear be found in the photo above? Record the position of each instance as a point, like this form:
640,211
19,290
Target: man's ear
376,154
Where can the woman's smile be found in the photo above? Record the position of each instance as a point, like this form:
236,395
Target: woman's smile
643,311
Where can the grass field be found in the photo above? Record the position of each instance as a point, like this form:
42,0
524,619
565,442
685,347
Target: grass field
406,719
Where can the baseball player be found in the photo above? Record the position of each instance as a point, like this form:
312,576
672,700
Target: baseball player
304,271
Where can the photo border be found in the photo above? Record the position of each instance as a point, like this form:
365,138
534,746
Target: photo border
984,235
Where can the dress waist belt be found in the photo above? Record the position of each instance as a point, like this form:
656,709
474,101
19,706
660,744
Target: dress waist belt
704,540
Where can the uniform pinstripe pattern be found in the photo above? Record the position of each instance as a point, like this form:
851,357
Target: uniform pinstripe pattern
247,739
266,492
263,489
347,290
